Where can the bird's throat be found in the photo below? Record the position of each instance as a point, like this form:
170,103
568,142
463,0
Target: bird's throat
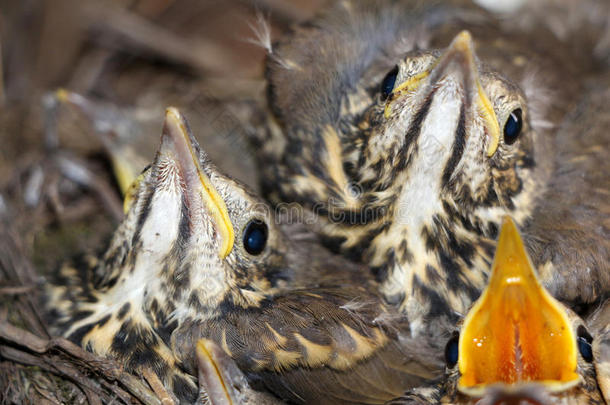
439,268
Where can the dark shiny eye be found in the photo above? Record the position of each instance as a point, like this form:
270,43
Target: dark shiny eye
513,126
387,85
584,341
452,350
255,237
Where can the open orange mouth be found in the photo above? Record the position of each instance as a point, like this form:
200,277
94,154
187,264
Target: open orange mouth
516,331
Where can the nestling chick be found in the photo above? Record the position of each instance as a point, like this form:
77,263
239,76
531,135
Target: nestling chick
518,344
197,257
410,158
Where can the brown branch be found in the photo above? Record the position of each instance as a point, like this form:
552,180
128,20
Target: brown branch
56,367
105,367
17,270
15,290
104,192
200,54
2,92
92,398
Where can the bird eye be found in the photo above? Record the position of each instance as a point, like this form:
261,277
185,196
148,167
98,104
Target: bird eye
255,237
452,350
387,85
512,128
584,341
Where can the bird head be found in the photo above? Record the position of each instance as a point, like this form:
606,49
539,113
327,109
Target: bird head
411,168
192,240
205,235
455,132
517,343
449,149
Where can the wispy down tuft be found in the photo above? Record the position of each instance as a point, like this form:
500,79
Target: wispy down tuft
262,32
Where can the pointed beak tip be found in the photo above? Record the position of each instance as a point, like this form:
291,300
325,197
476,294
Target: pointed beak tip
463,42
173,117
462,50
509,227
507,218
172,112
180,139
65,96
509,241
62,94
176,129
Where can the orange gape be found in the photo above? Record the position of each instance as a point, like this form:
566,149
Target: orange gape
516,331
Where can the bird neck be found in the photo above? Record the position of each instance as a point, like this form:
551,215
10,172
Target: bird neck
440,264
129,323
430,245
435,251
143,284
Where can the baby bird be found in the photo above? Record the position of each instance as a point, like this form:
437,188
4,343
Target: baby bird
518,344
198,259
410,158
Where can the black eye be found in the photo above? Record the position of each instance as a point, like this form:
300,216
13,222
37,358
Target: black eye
584,341
255,237
452,350
512,128
387,85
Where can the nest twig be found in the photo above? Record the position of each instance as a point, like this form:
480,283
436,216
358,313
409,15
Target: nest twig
100,380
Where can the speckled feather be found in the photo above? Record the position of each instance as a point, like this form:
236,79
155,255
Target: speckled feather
289,316
325,148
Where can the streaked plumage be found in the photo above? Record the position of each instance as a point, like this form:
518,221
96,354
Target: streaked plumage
296,319
414,179
518,344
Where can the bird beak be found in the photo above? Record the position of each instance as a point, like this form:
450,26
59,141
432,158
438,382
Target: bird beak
461,53
179,143
459,59
215,373
516,332
126,171
126,164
